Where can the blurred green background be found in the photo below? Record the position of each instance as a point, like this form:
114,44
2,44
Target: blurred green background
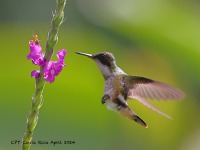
158,39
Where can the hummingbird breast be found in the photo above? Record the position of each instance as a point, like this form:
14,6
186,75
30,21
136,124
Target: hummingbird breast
114,87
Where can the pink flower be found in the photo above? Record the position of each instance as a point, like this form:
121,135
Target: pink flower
36,54
35,74
53,68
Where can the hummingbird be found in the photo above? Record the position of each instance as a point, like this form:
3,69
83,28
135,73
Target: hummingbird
119,87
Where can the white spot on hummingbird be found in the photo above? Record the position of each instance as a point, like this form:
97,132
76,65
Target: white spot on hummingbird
121,98
111,105
105,70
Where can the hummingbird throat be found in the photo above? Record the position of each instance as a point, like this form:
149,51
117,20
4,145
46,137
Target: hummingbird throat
105,70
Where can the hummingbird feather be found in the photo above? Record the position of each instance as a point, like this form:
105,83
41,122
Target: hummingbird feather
127,112
140,88
147,88
144,102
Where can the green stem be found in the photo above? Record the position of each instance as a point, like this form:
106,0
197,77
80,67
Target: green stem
57,20
37,99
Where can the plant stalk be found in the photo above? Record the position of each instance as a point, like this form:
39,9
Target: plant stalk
37,98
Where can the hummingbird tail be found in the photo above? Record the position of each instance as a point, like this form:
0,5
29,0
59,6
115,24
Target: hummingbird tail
128,113
139,120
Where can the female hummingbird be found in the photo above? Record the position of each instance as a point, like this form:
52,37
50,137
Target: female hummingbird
119,87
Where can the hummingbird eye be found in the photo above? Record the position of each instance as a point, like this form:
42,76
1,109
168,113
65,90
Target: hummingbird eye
105,58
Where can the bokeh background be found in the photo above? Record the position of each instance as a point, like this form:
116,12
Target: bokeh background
158,39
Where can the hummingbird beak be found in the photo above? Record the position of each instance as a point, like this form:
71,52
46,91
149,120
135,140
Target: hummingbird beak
84,54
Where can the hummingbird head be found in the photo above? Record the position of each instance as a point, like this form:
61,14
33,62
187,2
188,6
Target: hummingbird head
105,61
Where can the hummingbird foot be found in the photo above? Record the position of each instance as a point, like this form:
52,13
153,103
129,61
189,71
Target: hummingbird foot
104,98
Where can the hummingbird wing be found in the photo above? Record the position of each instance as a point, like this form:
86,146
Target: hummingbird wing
140,88
147,104
147,88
